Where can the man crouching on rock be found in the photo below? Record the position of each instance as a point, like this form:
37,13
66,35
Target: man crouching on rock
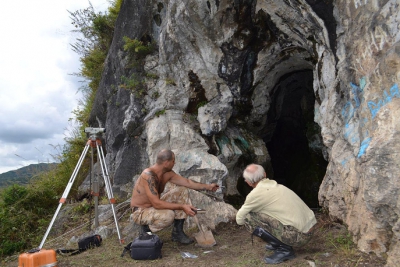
155,213
276,214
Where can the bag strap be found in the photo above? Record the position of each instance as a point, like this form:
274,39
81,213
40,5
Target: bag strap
62,251
126,249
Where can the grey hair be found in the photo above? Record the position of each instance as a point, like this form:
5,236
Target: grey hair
164,155
254,173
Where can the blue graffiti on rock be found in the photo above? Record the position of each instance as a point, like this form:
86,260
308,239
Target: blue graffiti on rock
374,107
351,130
363,147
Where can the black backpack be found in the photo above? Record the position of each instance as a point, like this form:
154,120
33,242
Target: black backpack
89,242
83,244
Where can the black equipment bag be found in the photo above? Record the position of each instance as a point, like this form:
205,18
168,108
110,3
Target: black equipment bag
83,244
145,247
89,242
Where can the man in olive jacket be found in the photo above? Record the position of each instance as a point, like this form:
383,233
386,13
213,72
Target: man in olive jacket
276,214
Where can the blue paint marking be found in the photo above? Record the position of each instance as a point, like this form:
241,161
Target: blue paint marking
394,91
364,146
374,108
348,109
350,133
347,112
356,90
387,98
363,82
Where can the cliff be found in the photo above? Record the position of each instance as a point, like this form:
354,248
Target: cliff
309,89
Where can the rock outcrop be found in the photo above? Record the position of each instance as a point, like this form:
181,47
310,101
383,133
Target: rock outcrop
309,89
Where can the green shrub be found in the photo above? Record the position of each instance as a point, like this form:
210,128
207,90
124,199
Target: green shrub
137,49
135,84
82,208
97,30
155,95
151,76
13,193
201,104
160,112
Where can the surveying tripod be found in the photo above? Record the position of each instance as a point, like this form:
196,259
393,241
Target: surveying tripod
93,141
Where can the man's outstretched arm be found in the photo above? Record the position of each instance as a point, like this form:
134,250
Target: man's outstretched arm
179,180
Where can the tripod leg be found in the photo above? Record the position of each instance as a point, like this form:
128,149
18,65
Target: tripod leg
108,186
66,192
95,190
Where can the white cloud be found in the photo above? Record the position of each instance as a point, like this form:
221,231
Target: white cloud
37,92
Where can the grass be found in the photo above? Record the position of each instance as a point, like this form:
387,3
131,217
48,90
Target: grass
331,245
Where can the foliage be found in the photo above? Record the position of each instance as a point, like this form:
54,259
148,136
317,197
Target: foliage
234,247
134,83
97,30
82,208
131,82
20,211
151,76
136,49
155,95
201,104
13,193
343,242
170,81
27,210
160,112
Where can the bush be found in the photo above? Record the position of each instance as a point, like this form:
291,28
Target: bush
12,194
137,49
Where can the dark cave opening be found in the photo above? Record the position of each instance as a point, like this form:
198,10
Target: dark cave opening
293,141
293,138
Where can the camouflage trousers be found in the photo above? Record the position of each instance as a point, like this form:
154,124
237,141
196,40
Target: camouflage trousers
158,219
285,233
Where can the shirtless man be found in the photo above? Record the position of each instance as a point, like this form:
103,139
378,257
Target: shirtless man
156,212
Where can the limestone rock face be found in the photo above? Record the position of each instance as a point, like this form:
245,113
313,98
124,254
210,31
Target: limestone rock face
361,184
309,89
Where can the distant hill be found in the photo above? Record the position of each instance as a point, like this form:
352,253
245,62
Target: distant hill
23,175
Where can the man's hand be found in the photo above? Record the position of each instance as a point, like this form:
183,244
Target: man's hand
213,187
189,210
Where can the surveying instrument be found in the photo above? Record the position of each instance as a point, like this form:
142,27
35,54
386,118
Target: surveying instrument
93,142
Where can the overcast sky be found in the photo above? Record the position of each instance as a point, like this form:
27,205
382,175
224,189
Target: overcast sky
37,92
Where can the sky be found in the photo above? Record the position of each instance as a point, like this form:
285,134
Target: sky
37,91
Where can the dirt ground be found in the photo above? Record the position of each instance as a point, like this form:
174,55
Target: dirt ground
331,245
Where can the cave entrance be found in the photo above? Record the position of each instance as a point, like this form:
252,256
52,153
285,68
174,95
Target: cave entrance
293,138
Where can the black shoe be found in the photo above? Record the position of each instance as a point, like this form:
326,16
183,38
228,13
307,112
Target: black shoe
281,254
178,235
273,242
